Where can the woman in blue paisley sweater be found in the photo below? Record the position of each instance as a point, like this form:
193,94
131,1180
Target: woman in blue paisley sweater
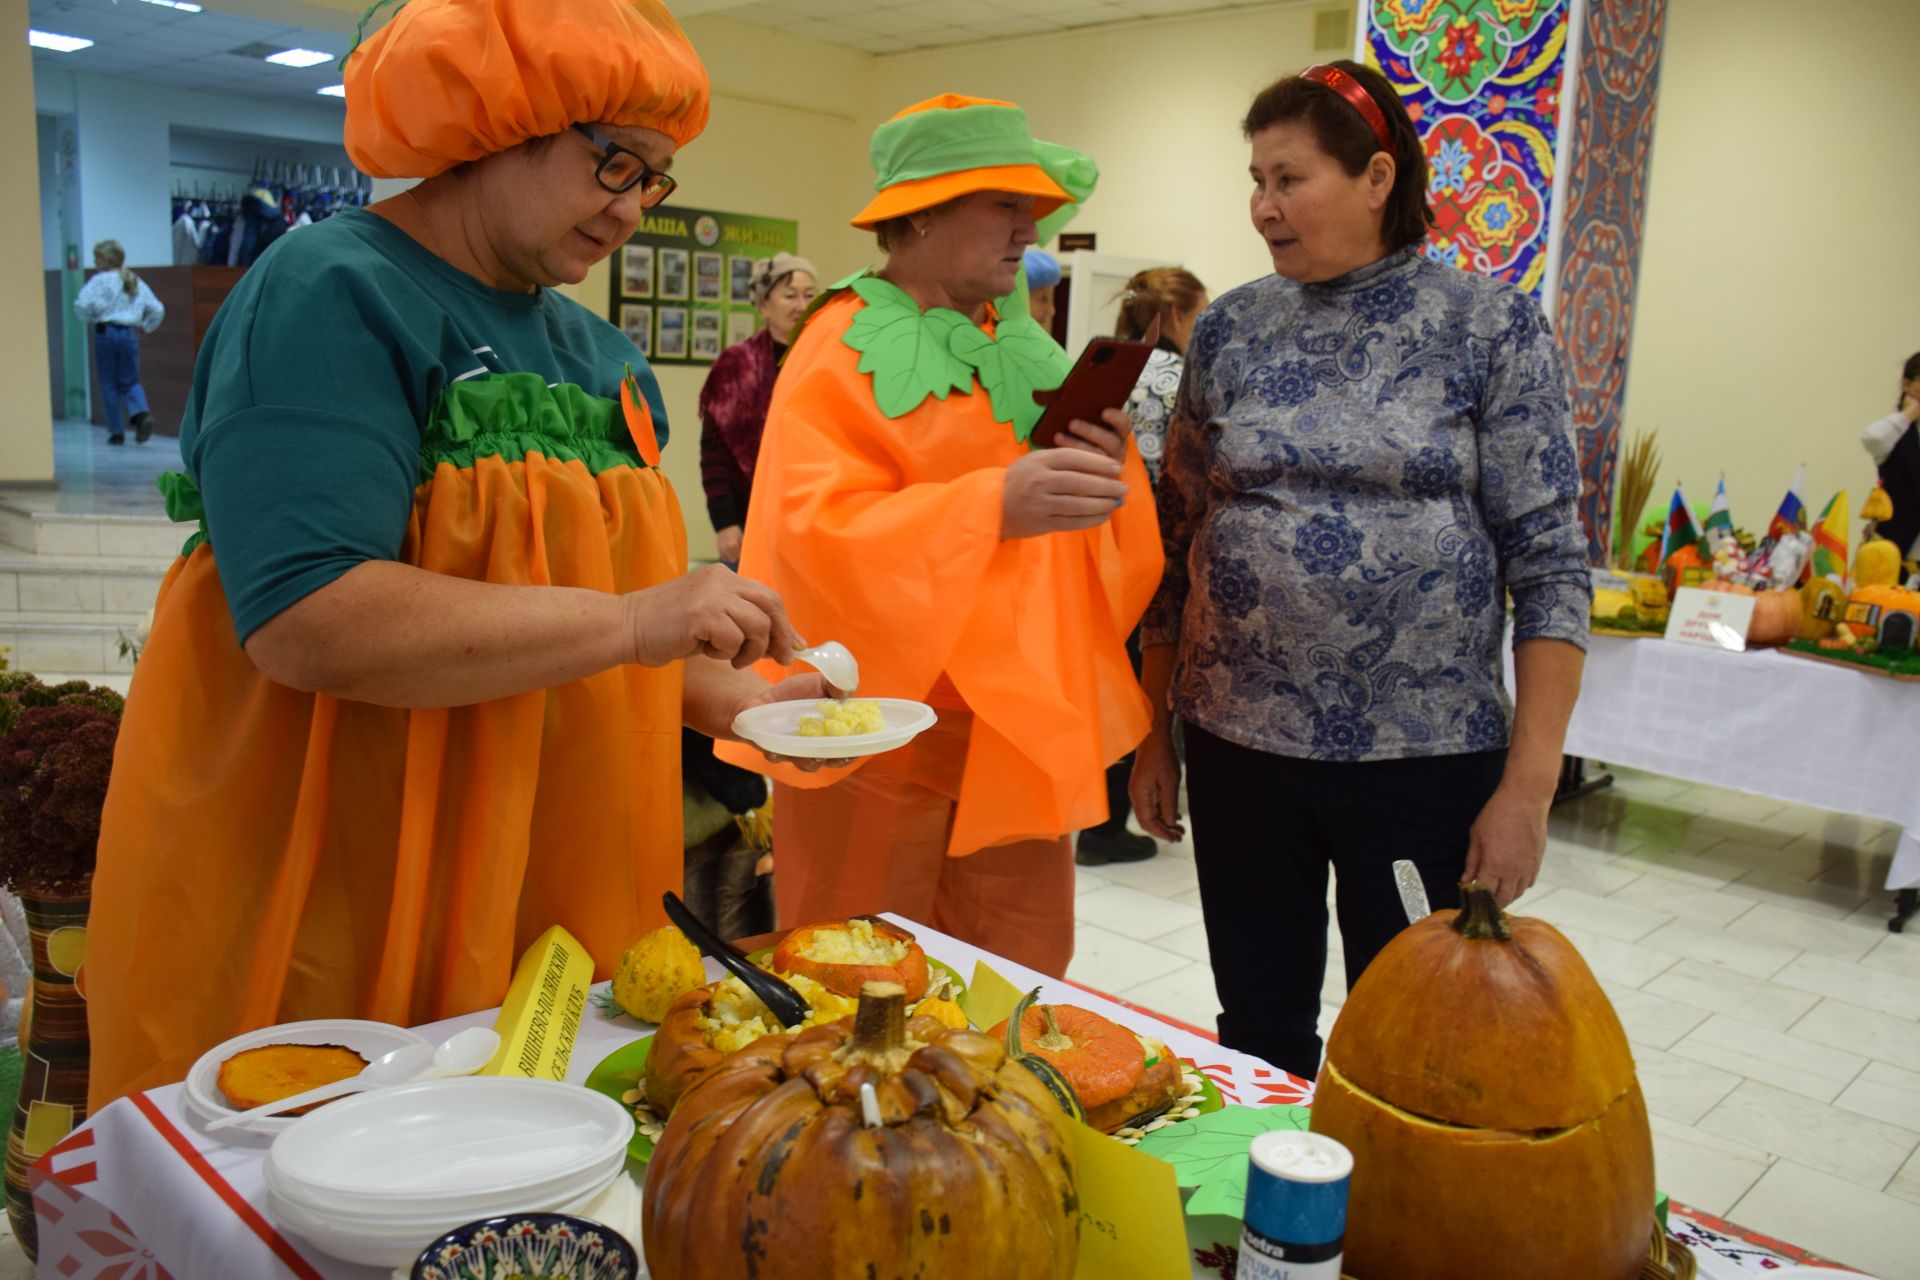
1370,452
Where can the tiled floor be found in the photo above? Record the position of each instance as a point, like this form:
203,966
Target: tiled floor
1775,1022
100,479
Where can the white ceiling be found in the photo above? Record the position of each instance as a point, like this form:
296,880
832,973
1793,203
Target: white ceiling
896,26
150,44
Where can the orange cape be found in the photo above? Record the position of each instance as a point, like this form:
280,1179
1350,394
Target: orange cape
884,533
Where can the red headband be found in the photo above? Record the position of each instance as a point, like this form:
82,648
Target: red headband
1356,93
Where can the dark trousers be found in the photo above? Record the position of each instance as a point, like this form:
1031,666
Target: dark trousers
116,358
1265,830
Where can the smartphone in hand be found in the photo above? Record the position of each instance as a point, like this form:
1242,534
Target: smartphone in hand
1102,378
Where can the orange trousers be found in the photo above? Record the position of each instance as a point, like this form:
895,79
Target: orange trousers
877,841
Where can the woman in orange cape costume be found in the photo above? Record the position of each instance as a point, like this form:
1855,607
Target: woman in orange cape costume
898,509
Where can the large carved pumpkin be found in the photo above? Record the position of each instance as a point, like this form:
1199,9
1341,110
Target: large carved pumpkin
1484,1085
706,1024
770,1170
847,954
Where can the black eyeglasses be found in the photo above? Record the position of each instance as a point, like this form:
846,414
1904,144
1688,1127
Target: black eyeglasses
621,170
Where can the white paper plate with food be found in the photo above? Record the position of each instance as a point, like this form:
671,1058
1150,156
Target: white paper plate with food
829,730
206,1100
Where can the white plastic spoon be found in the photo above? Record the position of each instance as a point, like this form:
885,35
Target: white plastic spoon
462,1054
833,661
398,1067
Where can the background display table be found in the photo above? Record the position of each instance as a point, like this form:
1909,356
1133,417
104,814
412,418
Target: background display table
1763,722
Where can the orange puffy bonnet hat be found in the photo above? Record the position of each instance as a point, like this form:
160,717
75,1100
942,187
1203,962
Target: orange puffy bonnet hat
447,81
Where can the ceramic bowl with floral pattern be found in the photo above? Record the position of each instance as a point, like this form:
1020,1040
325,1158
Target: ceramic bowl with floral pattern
529,1246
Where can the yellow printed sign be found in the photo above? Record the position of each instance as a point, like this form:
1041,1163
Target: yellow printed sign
540,1019
1131,1221
989,998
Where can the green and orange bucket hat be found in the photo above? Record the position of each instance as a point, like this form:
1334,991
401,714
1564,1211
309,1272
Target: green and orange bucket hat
954,145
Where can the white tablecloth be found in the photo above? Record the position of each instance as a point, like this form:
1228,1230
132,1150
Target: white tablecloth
138,1193
1763,722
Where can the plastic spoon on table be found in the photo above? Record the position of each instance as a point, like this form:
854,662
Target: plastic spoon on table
460,1054
463,1053
397,1067
834,661
782,1001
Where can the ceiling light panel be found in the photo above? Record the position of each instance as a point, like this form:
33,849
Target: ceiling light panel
56,42
299,57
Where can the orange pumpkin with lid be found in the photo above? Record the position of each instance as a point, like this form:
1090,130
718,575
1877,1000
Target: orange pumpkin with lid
772,1166
1119,1076
1484,1084
844,955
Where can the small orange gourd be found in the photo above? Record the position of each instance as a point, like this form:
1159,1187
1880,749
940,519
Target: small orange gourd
1776,616
944,1011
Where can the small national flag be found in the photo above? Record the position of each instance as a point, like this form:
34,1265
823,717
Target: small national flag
1792,514
1681,530
1830,540
1718,517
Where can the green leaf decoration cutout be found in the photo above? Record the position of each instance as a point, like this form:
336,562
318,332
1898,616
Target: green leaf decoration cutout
1020,359
907,352
1209,1153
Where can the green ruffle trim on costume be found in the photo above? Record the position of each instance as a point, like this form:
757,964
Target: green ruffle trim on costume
510,415
181,496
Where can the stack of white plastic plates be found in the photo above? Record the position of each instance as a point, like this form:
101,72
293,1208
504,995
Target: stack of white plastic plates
378,1176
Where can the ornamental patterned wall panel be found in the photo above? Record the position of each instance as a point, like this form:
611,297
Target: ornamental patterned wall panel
1606,202
1482,80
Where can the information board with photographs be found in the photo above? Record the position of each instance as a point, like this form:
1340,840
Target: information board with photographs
680,284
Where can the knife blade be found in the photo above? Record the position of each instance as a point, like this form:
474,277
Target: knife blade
1413,892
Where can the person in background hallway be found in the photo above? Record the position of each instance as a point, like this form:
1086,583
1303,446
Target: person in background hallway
1369,452
1894,442
1043,279
734,399
118,306
1175,298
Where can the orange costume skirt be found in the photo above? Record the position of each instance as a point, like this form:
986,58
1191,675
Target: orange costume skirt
268,855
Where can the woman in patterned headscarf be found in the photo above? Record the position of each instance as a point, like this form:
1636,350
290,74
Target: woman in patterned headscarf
414,692
1369,451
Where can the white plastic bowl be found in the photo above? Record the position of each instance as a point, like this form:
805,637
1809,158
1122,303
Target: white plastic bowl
440,1140
370,1211
398,1243
772,727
